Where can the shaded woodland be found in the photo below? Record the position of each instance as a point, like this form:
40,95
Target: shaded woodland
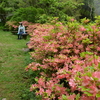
42,10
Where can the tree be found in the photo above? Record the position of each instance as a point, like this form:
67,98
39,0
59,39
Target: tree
97,7
22,14
88,9
2,15
58,8
3,3
73,7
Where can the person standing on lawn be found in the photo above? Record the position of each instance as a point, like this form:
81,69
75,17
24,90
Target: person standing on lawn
21,30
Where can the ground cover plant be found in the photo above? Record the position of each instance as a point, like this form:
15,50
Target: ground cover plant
14,81
12,59
66,58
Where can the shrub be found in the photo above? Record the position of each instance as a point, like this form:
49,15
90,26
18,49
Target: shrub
67,57
28,14
43,18
13,25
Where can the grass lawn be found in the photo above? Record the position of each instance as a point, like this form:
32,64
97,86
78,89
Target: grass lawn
12,65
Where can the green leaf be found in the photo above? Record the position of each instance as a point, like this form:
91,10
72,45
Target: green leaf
98,84
81,86
84,89
87,41
36,79
47,37
89,74
77,78
98,95
64,97
82,54
89,94
95,79
99,65
77,97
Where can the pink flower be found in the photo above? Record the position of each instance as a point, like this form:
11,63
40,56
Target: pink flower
93,27
84,97
96,75
53,75
82,29
93,90
48,92
59,34
98,32
55,50
98,98
72,83
34,68
98,48
86,81
33,86
65,51
72,19
70,45
41,91
88,49
72,97
67,76
61,76
76,51
80,46
41,82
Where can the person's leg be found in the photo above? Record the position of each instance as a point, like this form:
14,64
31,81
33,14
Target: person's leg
18,36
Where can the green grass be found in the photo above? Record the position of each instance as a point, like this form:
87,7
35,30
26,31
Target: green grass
12,65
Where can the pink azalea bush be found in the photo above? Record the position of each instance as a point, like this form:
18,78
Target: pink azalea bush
13,25
67,57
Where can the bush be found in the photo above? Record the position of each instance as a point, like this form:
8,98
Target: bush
29,77
67,57
28,14
11,25
43,19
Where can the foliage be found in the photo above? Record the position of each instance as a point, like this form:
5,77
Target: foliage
12,63
67,57
28,14
46,9
43,18
35,10
58,8
97,7
13,25
9,6
2,15
97,20
87,9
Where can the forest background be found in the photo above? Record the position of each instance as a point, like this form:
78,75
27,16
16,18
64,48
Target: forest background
39,11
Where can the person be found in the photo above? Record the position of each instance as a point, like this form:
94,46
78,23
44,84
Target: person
21,30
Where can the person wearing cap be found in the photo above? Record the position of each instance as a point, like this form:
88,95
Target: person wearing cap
21,30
